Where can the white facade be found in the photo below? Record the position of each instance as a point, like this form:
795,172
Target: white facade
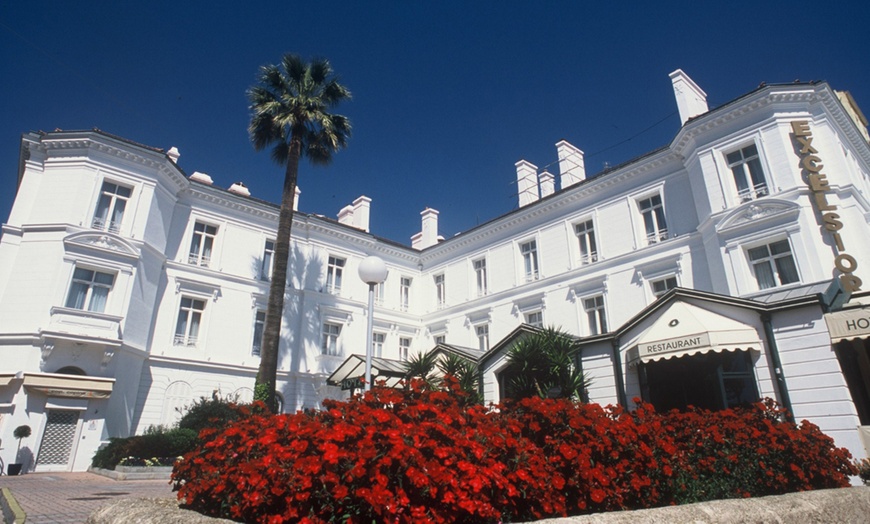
128,289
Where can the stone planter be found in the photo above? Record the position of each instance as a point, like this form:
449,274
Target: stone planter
135,472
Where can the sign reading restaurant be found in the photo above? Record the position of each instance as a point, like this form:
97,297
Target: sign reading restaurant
818,182
673,345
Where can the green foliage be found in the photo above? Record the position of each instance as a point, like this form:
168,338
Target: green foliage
466,374
156,442
422,366
215,412
541,364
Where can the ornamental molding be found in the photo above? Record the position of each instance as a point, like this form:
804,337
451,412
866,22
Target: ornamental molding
615,177
755,212
258,209
102,241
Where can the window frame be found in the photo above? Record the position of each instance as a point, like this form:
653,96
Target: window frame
405,293
596,316
665,279
531,263
657,219
772,263
440,281
259,326
404,348
88,301
539,313
329,340
268,259
334,273
480,276
198,257
106,223
752,189
481,331
187,338
379,339
585,239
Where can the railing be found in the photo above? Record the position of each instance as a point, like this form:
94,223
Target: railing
106,225
589,258
753,193
184,340
659,236
198,260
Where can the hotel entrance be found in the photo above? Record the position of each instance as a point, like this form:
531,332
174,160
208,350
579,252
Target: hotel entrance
712,381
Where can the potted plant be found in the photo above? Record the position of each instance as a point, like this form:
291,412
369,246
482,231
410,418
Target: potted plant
19,433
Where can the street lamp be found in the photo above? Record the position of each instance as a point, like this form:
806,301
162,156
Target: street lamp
372,271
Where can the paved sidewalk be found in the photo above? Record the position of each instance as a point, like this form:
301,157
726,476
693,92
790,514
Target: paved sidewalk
54,498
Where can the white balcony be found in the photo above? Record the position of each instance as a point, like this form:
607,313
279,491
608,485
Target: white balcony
84,326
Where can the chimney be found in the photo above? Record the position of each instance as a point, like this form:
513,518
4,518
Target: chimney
239,189
345,216
173,154
572,167
201,178
548,184
361,210
527,182
296,199
429,234
691,99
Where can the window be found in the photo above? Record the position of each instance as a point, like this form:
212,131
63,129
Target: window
201,244
773,265
440,339
480,275
440,291
259,324
110,207
189,321
653,212
529,251
266,263
404,348
89,290
662,286
378,344
329,344
586,237
333,274
379,293
748,175
405,293
595,317
535,318
482,337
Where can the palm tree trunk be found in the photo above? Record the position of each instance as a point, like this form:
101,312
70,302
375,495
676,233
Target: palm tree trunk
264,388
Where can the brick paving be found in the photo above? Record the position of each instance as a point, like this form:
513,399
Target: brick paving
66,498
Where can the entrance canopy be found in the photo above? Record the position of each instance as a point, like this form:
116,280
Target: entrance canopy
351,372
684,329
848,324
69,386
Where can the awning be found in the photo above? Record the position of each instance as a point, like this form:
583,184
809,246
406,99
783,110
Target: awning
848,324
352,371
69,386
684,330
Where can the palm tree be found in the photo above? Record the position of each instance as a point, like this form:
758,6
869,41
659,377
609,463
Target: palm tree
422,366
541,364
290,107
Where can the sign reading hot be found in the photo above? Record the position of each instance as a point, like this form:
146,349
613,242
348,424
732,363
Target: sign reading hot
818,182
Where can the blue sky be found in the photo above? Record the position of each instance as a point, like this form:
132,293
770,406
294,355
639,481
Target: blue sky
447,95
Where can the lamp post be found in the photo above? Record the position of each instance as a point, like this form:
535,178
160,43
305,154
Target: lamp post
372,271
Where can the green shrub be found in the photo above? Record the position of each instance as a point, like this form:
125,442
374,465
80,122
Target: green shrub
156,442
215,412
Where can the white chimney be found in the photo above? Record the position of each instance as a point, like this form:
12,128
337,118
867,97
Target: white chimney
239,189
202,178
296,199
548,184
572,167
691,99
173,154
345,216
361,212
429,234
527,182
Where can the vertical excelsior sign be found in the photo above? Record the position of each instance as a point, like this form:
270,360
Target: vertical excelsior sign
818,182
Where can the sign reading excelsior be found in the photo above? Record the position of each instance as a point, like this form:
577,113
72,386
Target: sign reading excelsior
818,182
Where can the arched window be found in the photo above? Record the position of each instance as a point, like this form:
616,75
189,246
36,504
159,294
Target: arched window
178,396
71,370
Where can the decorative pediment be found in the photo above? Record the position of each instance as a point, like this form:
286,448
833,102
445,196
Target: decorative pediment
755,211
102,241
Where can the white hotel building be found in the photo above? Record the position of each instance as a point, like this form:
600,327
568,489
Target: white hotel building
721,268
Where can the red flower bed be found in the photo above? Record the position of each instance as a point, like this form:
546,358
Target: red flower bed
427,456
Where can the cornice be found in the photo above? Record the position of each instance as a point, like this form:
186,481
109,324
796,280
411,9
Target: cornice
213,196
724,115
830,101
360,238
566,197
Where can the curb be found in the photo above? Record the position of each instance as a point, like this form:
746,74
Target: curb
134,473
12,512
